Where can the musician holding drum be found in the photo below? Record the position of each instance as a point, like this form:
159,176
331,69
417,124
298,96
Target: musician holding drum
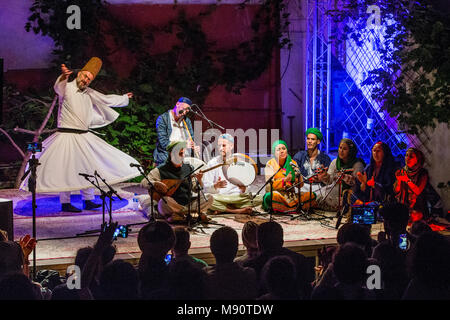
230,194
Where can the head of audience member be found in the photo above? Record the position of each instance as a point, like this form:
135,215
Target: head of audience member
182,107
155,239
429,260
186,281
17,286
82,256
391,262
395,219
417,228
249,233
350,264
11,257
119,280
357,234
269,236
224,244
108,254
313,139
347,150
225,143
279,276
182,242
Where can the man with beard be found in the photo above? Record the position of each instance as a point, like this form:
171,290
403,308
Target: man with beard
228,198
75,148
175,204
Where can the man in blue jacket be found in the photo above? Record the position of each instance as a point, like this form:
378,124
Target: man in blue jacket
171,126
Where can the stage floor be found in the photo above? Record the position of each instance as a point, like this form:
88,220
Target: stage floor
57,231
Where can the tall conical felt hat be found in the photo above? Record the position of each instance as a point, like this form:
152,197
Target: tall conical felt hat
93,66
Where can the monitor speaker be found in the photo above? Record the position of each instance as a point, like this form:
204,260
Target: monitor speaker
6,217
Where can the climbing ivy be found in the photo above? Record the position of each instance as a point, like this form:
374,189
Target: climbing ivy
159,78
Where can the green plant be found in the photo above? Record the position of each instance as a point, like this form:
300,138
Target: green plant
413,85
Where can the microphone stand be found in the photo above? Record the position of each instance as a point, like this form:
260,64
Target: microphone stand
199,220
339,213
270,180
188,176
202,115
151,189
111,192
33,163
103,196
299,209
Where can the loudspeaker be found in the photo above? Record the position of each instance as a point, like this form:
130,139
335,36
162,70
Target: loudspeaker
6,217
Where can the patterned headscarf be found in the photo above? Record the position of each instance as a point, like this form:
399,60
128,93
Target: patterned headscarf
414,171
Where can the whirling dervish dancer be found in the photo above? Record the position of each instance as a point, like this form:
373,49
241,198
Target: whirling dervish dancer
75,148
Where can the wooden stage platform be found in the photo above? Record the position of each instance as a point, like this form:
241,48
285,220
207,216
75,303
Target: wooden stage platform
58,241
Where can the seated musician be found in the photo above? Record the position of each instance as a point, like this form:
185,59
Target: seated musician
228,198
311,161
281,200
377,180
172,173
173,126
342,170
412,187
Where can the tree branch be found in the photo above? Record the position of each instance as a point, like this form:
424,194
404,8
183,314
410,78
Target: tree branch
12,142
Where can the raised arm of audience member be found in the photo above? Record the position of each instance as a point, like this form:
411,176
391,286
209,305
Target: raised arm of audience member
90,269
27,244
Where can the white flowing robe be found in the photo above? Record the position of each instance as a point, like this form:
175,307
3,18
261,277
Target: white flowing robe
64,155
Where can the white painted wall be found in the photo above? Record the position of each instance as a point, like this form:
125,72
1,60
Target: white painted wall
439,168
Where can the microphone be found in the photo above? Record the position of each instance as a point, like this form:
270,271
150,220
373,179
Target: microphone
292,163
86,175
135,165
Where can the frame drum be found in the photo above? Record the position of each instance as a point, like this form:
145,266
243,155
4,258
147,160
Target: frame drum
241,173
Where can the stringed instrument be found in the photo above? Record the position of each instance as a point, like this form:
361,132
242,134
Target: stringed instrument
173,184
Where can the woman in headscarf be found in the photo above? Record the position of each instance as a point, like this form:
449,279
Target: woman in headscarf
283,165
377,180
411,182
345,166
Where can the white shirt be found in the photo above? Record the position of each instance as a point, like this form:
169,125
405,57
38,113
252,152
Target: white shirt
211,177
178,129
